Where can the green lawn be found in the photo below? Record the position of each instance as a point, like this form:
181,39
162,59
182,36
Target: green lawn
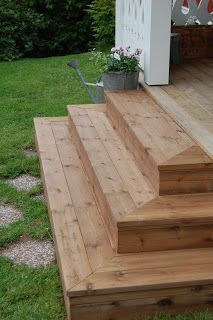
32,88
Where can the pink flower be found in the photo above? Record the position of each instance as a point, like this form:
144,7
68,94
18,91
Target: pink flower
138,51
127,48
127,54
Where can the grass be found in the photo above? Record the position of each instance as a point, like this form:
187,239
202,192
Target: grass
35,88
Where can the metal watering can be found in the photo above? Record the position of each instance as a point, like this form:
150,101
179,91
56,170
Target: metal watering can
95,90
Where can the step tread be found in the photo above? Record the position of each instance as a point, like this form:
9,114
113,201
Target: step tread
173,210
156,130
82,244
172,161
149,271
122,182
194,157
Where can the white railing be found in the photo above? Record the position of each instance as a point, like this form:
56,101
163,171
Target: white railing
146,24
194,12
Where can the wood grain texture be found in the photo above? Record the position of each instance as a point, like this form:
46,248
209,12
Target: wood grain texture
188,99
171,160
119,185
152,274
98,283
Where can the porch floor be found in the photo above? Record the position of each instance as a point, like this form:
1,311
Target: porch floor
189,99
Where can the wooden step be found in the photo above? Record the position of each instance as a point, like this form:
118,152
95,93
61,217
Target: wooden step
173,162
99,284
169,222
119,185
135,223
131,287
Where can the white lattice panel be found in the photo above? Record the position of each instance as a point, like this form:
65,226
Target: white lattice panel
133,21
146,24
181,15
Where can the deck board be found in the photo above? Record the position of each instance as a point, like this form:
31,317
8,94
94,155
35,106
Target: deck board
71,253
95,239
189,100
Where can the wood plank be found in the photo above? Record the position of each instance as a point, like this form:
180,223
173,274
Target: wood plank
188,99
141,239
197,71
159,259
113,187
138,295
175,209
109,282
150,119
144,308
192,87
137,185
71,254
144,158
168,222
192,125
93,231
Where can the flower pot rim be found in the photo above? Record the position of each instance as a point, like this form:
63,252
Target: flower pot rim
120,72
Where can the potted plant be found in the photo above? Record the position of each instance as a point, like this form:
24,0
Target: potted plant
120,69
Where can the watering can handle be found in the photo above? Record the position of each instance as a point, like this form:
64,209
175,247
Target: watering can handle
74,65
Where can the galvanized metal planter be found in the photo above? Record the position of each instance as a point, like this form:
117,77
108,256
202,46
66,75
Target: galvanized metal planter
120,80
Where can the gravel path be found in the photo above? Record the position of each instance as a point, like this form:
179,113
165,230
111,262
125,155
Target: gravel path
31,252
40,197
24,182
9,214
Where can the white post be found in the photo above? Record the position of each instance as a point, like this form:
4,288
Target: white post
119,14
157,32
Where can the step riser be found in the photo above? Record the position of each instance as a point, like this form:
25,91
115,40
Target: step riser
186,181
145,161
143,304
167,238
166,180
101,199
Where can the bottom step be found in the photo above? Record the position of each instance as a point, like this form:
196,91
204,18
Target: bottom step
98,284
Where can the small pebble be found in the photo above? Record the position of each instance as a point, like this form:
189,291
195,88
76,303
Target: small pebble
24,182
40,197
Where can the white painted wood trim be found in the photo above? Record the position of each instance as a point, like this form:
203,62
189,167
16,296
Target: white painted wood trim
157,31
119,14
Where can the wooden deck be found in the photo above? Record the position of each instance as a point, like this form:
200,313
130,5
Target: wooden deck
189,100
130,197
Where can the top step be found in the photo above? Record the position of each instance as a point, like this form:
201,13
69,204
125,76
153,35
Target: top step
171,160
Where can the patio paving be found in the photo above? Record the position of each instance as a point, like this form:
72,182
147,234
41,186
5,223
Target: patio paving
9,214
24,182
40,197
31,252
